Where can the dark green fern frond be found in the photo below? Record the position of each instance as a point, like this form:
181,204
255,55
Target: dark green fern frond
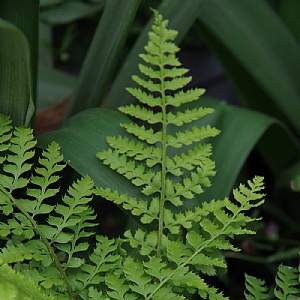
255,289
287,283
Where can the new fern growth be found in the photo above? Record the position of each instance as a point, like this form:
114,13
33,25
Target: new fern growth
45,236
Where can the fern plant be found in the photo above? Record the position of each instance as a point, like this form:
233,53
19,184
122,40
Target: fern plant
175,247
44,240
46,237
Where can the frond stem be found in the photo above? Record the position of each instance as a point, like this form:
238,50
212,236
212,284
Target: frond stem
164,159
43,238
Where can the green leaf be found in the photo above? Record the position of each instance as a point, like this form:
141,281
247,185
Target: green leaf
19,45
66,12
290,15
53,85
117,286
255,59
102,58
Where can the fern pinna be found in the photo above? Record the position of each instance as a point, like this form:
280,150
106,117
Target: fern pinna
175,246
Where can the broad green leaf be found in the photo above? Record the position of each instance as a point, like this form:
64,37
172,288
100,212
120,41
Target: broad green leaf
46,3
66,12
290,14
25,16
15,77
103,54
259,54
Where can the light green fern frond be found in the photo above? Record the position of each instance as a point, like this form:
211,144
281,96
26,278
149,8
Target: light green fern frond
180,245
14,286
5,136
16,150
135,160
46,234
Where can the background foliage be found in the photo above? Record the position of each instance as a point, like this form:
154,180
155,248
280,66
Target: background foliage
257,44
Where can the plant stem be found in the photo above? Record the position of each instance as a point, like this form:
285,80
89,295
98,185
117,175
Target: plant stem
164,155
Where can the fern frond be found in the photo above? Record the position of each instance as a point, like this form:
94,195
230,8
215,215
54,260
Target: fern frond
50,164
68,214
138,207
190,160
105,259
146,243
49,252
14,286
138,151
5,136
144,97
255,289
20,151
183,97
287,283
135,273
169,174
